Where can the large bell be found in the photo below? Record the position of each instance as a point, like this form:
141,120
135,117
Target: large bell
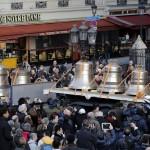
4,85
21,76
84,76
139,79
112,79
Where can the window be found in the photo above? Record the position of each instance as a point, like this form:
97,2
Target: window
63,3
88,2
121,2
41,4
142,1
18,5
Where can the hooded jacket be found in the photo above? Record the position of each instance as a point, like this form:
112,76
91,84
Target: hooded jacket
32,145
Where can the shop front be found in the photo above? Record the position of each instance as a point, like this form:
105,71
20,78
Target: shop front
44,42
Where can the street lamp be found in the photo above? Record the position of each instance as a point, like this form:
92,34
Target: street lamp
141,8
83,34
84,70
74,37
94,8
92,33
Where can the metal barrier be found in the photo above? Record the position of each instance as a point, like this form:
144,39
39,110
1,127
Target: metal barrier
31,90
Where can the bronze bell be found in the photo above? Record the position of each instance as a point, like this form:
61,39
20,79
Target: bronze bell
139,80
4,85
21,76
112,79
84,76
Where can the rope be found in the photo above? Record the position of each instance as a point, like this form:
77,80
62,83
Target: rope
16,74
122,81
61,78
138,79
142,92
138,84
105,78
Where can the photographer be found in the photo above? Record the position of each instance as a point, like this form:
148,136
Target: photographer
106,138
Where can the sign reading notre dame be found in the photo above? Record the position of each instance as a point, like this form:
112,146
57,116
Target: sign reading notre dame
20,18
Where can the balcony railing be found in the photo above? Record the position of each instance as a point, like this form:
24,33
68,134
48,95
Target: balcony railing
41,4
18,5
63,3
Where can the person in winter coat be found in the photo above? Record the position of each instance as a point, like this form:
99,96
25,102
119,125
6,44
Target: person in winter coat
52,123
85,139
56,144
70,143
58,133
80,116
127,142
68,121
21,144
22,112
6,140
32,141
106,139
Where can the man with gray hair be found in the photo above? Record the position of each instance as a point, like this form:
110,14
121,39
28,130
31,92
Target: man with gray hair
32,141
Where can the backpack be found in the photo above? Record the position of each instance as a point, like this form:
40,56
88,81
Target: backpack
46,147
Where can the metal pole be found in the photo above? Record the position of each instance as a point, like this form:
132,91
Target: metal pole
94,59
141,31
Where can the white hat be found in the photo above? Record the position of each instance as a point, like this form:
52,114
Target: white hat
22,108
82,111
130,62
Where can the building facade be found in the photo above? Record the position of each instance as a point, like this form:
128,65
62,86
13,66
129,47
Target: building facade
39,11
46,10
39,28
117,7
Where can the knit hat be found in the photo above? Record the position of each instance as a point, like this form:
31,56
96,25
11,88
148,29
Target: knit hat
19,132
22,108
27,127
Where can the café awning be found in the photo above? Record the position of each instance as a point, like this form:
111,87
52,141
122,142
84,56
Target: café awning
8,32
130,21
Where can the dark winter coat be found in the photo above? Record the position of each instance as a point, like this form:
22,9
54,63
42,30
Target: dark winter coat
85,139
68,125
72,147
107,141
6,140
125,143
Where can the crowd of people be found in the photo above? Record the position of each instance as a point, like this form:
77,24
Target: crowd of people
38,126
54,73
41,127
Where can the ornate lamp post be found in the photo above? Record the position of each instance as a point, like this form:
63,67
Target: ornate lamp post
74,35
83,34
84,72
141,8
94,8
92,32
